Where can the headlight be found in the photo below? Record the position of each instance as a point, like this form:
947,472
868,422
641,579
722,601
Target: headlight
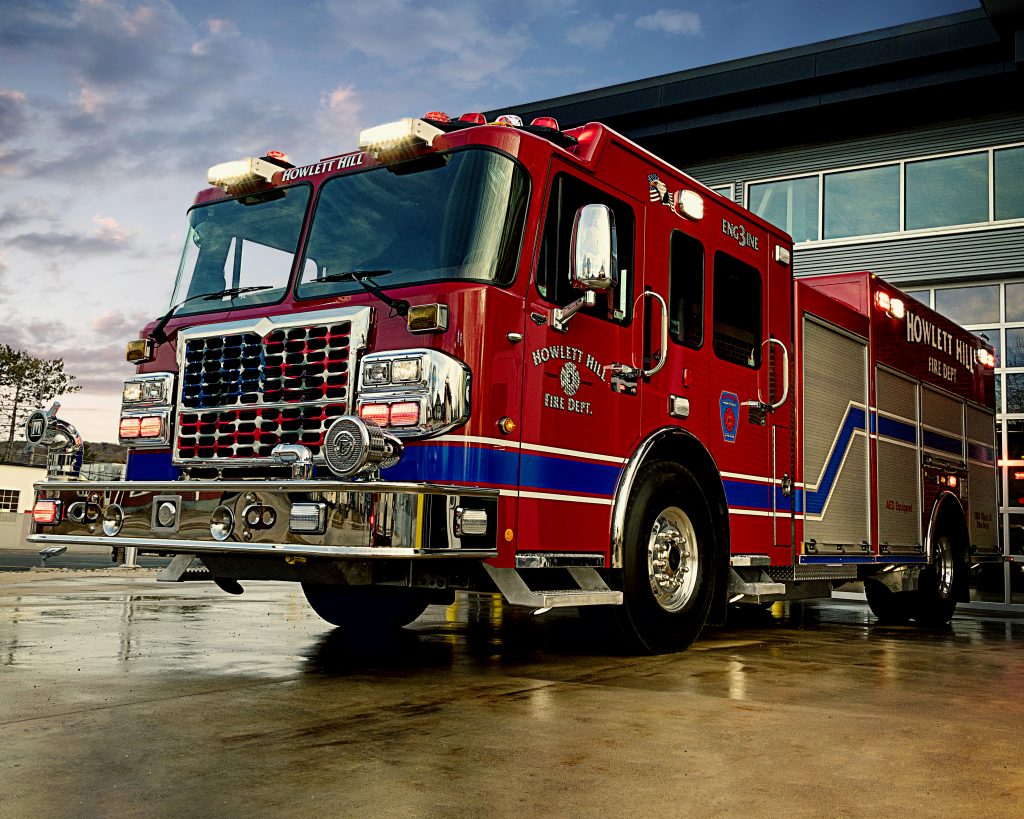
148,389
377,372
405,370
413,393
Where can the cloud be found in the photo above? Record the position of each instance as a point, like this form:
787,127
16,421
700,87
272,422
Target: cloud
24,211
594,33
108,237
13,113
339,110
116,323
96,360
671,21
454,39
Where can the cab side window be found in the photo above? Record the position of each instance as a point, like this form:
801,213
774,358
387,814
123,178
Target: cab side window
554,262
686,290
736,305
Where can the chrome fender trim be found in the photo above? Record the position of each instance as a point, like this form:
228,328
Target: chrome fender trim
624,488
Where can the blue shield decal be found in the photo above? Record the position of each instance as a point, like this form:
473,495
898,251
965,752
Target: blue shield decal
729,406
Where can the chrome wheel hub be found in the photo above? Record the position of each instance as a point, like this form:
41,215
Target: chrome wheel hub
944,567
672,559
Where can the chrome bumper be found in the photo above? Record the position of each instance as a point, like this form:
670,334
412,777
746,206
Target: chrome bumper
362,519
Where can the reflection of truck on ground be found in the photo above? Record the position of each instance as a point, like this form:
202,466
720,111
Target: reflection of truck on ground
508,358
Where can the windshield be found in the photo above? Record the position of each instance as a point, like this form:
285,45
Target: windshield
245,242
460,216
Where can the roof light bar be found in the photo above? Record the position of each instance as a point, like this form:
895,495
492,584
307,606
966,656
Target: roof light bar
546,122
393,140
476,119
242,175
512,120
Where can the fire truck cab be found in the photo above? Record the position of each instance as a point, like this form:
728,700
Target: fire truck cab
496,357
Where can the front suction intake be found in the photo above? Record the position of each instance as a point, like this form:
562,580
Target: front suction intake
353,445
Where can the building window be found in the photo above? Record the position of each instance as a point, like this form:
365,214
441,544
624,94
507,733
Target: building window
791,204
1009,183
969,305
857,203
9,500
686,290
736,305
948,191
723,190
1014,348
942,192
923,296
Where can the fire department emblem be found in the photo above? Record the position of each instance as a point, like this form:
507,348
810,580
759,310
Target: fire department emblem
729,404
570,378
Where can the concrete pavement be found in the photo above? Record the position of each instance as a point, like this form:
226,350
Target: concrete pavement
122,696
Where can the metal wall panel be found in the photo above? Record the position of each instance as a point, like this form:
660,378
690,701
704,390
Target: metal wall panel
961,135
906,261
898,468
981,477
835,380
943,413
921,259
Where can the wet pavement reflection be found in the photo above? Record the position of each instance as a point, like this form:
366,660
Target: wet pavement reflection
121,694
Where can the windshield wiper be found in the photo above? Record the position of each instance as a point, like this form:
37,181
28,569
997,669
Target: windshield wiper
159,336
361,277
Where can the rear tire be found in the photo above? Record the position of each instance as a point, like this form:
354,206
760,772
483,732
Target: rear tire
668,561
888,606
370,608
935,601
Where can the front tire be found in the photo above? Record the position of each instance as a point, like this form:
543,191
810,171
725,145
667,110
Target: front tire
668,560
369,608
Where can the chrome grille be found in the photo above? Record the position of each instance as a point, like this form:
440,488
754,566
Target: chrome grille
275,381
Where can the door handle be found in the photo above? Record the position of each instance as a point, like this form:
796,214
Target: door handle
762,405
663,351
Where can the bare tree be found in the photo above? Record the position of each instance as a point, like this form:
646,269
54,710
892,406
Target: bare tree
26,384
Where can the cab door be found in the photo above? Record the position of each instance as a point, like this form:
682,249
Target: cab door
728,317
576,432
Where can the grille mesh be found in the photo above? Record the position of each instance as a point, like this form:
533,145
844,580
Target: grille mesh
241,394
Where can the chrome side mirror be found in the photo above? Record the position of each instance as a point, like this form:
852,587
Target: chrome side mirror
594,250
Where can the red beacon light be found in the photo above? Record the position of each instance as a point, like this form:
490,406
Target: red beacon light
281,156
894,307
476,119
437,116
546,122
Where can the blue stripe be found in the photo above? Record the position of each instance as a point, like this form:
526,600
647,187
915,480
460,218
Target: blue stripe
151,466
945,443
461,464
980,452
897,430
456,463
815,500
752,495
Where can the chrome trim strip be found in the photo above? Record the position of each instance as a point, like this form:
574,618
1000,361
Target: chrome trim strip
213,547
553,560
368,487
360,317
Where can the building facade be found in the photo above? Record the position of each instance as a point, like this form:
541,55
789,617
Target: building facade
899,151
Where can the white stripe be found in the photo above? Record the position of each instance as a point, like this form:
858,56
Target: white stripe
504,443
887,440
569,498
742,477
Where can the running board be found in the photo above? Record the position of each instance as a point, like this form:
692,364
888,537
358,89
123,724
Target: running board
184,567
760,589
592,591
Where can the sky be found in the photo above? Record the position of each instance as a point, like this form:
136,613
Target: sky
111,111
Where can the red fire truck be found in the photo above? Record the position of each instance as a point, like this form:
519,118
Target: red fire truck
509,358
